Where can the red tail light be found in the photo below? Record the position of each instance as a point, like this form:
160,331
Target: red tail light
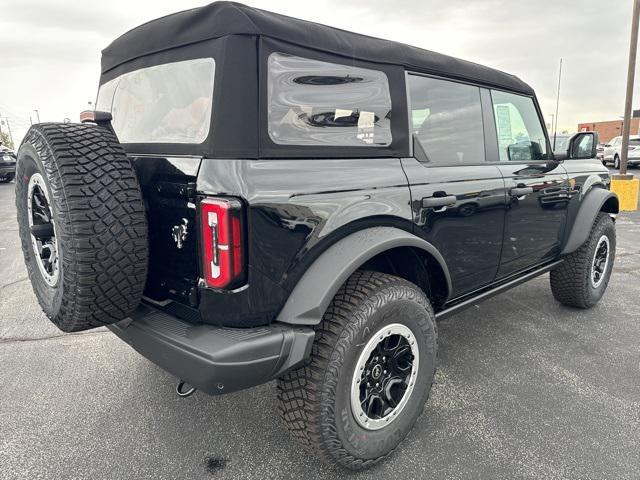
222,238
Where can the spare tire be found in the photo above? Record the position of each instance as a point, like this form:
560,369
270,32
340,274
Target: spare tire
82,224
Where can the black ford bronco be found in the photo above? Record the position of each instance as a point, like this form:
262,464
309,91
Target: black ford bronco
258,197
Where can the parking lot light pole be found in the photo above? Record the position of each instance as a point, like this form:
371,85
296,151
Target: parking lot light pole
623,184
626,126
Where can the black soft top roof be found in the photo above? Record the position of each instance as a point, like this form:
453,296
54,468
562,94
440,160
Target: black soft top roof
220,19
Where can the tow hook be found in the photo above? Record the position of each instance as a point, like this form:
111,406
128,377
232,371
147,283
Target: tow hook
182,392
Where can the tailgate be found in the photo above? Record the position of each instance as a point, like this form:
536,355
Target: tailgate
168,188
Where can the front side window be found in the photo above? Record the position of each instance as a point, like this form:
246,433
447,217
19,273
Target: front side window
446,118
168,103
319,103
520,133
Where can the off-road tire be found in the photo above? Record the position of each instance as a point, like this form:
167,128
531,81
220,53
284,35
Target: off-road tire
315,399
99,219
571,281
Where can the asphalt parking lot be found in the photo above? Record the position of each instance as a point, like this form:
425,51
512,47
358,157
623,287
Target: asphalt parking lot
526,388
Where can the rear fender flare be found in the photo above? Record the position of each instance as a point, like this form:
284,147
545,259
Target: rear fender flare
322,280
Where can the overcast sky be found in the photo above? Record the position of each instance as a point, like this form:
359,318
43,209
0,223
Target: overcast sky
50,50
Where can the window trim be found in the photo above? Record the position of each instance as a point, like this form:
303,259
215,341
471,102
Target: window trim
491,133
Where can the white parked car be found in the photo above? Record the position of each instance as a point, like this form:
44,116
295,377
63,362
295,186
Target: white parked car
612,151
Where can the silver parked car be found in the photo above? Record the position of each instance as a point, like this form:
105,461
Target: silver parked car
612,150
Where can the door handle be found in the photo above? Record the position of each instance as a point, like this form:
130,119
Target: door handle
433,202
520,191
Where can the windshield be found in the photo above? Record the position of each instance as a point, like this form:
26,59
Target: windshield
168,103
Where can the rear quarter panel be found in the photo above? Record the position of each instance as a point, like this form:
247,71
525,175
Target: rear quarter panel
295,210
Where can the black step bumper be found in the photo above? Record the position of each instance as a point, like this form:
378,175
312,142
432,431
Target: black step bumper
215,359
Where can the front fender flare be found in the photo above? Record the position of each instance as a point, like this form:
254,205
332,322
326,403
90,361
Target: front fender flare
590,206
319,284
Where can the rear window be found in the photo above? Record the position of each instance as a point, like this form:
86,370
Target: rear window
168,103
319,103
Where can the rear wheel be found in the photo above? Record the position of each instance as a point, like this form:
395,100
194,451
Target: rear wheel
616,162
82,225
581,280
370,372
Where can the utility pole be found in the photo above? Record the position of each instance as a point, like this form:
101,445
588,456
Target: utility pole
626,125
555,130
37,115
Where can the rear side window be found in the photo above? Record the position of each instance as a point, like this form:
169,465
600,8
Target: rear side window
446,118
520,133
168,103
319,103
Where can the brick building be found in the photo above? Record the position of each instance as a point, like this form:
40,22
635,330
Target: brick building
608,130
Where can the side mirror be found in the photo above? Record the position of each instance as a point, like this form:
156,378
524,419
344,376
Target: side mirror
583,145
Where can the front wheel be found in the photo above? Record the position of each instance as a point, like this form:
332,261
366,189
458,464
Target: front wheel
369,375
581,280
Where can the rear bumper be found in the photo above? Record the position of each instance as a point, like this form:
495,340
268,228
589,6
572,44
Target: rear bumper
215,359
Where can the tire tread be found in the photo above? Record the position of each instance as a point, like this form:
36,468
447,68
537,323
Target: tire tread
570,281
305,394
101,223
